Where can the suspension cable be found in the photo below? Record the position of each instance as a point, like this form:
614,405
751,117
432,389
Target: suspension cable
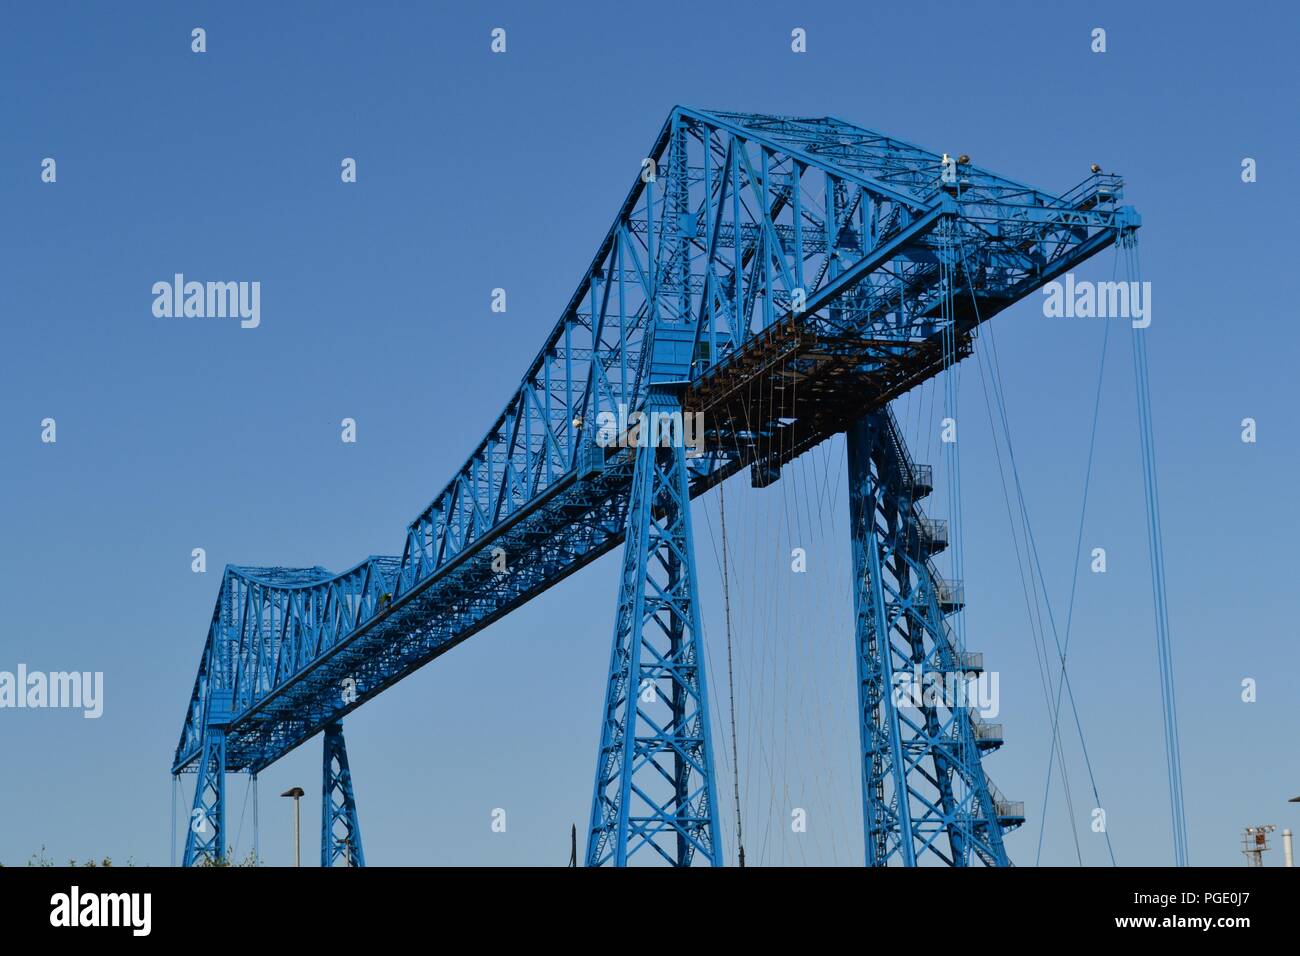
731,680
1074,579
1035,565
1155,542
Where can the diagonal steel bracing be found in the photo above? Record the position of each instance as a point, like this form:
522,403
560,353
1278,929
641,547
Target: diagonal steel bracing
654,791
340,837
802,261
925,792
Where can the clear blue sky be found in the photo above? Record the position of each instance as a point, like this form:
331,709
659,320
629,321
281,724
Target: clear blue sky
479,170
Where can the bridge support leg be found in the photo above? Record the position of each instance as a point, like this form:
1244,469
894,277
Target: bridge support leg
340,833
924,791
654,786
205,834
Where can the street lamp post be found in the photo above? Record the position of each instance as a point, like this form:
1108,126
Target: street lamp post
297,793
1288,856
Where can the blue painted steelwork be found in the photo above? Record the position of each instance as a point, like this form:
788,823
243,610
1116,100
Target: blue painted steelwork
925,793
655,791
340,831
205,836
803,256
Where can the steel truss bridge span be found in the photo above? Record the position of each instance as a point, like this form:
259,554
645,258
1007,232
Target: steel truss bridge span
785,278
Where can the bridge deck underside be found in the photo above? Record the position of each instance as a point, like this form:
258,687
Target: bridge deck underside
784,392
792,387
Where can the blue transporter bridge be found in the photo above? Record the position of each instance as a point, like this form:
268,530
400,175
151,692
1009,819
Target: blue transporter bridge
780,280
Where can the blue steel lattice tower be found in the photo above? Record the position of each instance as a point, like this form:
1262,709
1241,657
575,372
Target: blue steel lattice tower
924,790
654,790
654,775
